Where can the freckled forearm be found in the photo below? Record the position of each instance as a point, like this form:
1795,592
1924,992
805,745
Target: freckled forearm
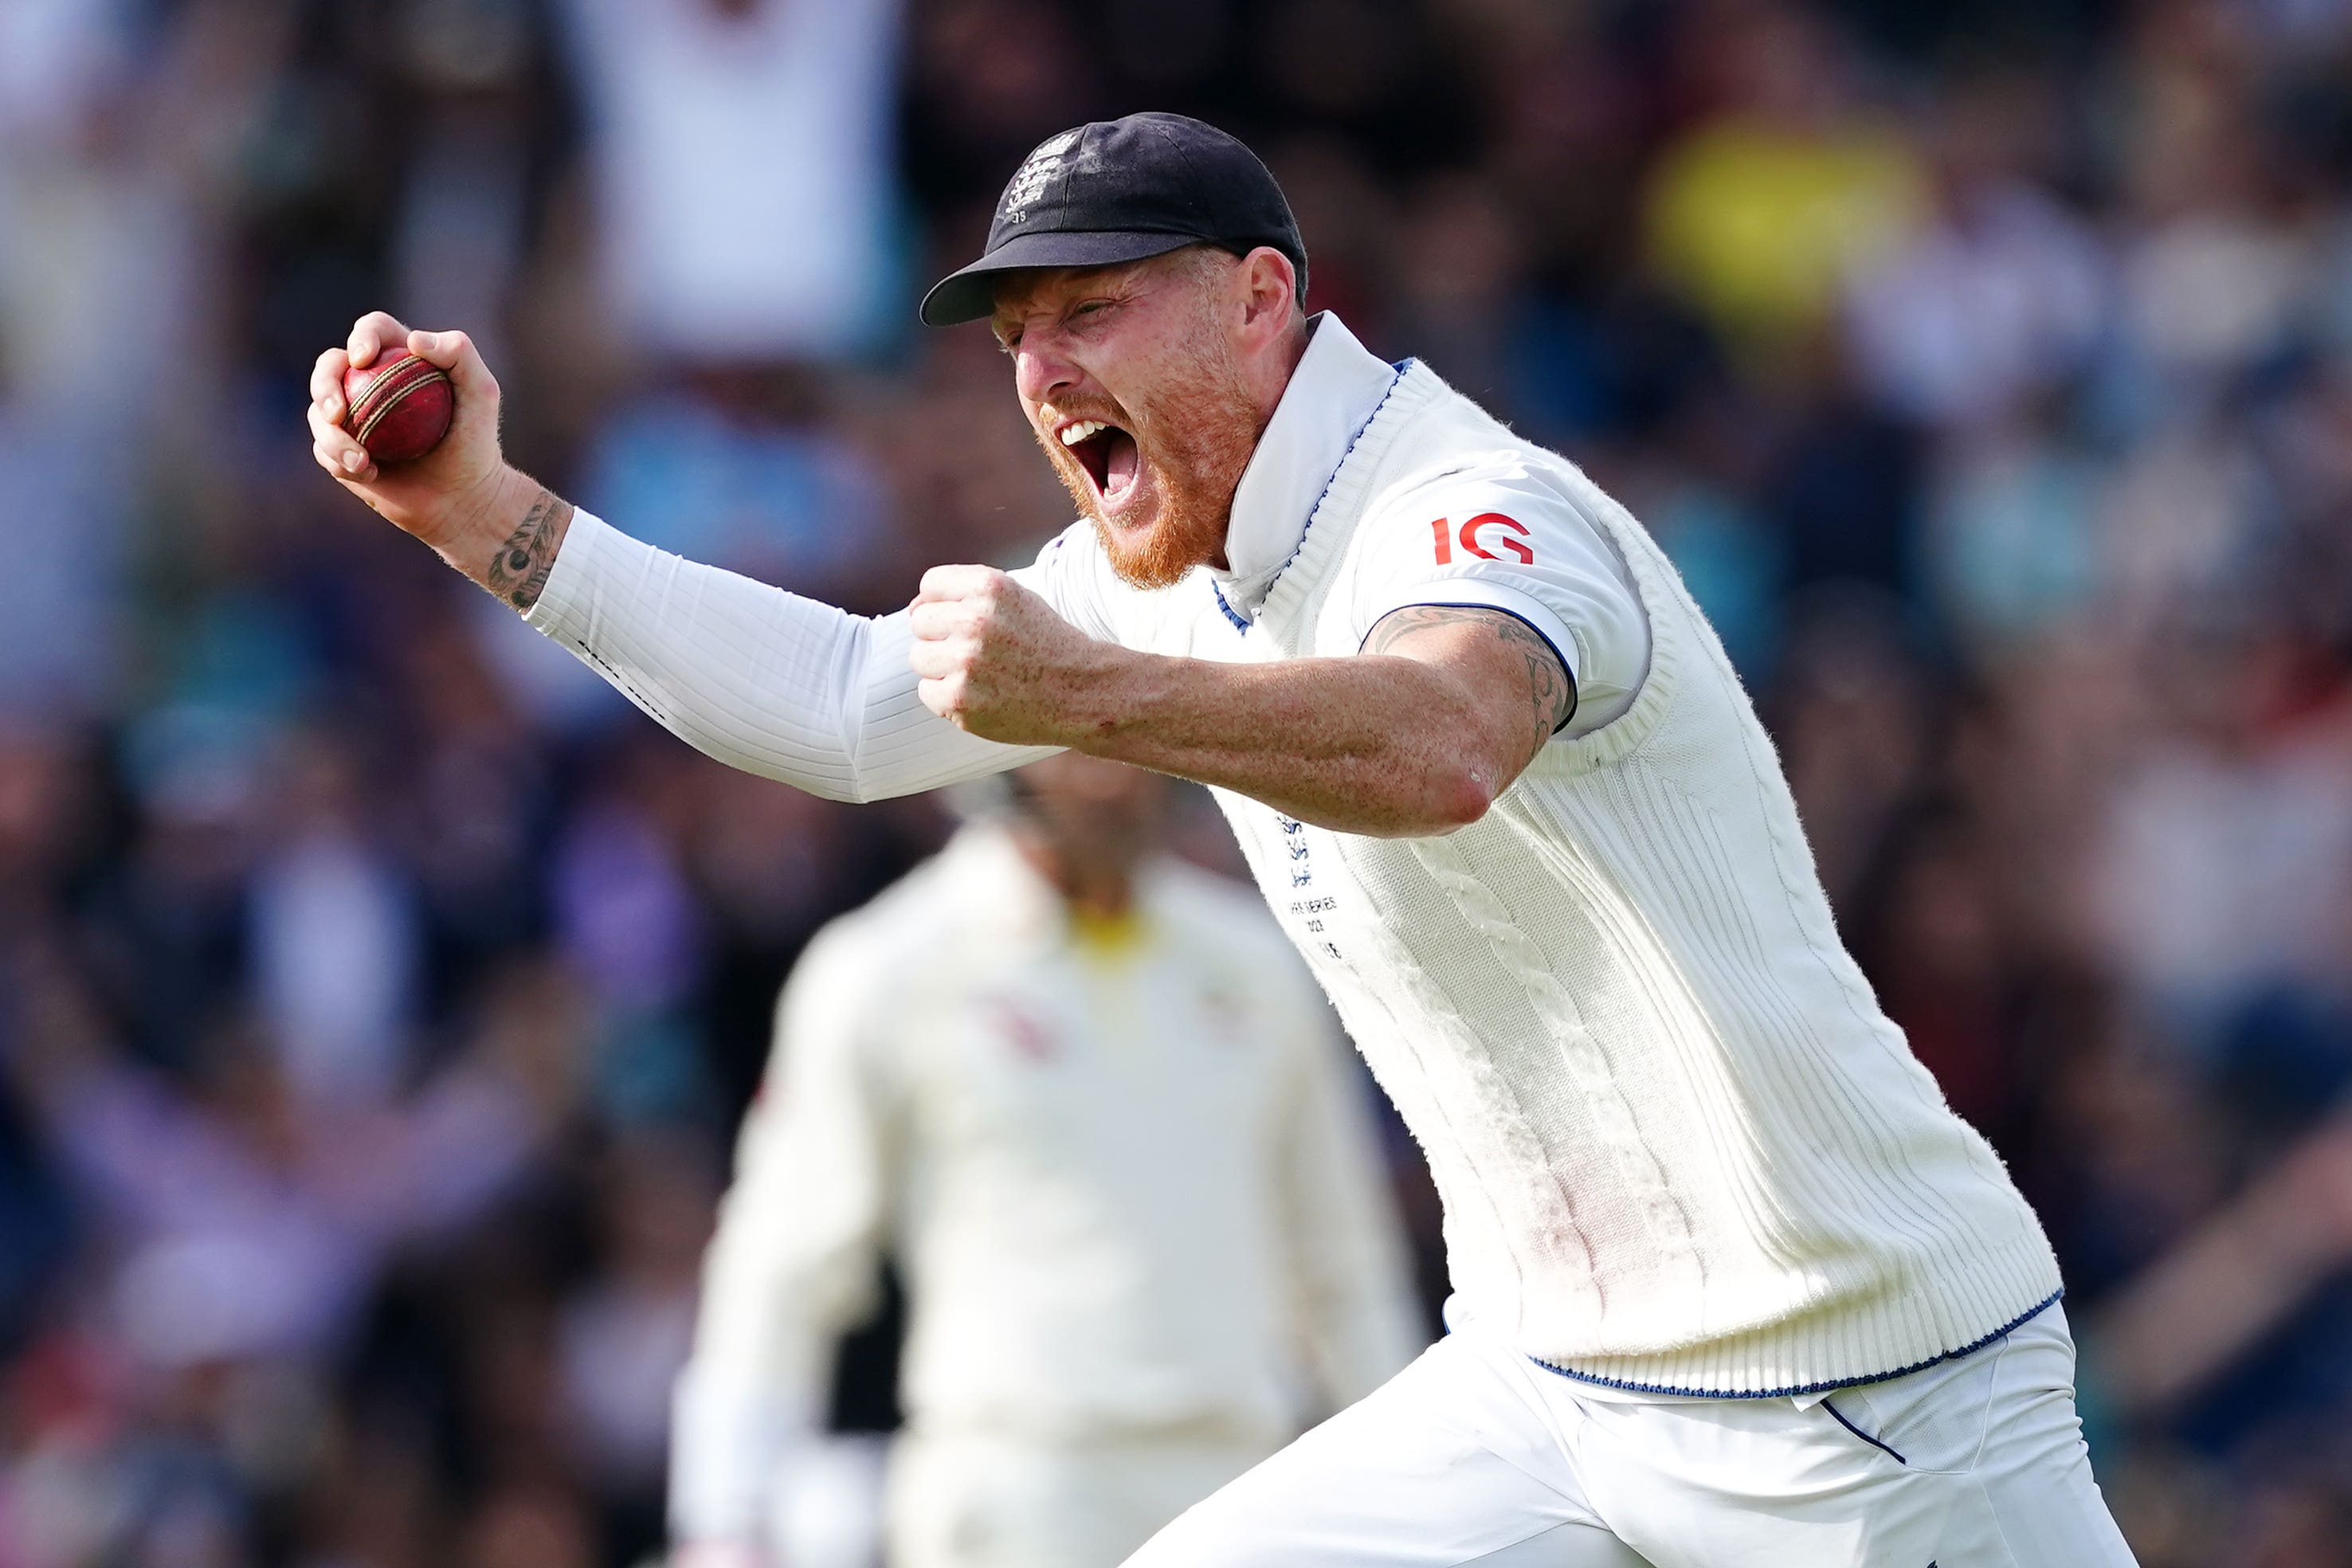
1383,746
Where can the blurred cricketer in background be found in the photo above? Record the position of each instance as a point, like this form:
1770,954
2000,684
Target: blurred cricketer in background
1732,1284
1125,1164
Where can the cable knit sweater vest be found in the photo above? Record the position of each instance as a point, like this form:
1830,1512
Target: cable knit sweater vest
1680,1147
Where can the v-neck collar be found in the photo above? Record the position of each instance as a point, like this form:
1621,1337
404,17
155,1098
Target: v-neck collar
1332,394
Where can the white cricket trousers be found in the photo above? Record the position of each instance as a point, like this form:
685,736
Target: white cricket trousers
1474,1454
984,1501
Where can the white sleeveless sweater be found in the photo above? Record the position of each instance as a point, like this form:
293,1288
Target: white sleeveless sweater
1680,1148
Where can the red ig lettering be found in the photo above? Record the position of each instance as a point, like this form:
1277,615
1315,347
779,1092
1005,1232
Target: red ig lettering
1513,539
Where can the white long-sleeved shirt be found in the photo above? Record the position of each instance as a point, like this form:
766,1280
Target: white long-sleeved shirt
1128,1175
1681,1148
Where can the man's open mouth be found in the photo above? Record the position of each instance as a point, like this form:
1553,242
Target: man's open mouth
1107,454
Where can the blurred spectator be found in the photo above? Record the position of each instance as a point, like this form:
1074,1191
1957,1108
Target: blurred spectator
250,1223
528,1527
738,466
2002,294
1769,206
624,1341
1687,488
335,938
469,108
2011,548
2252,1266
743,164
2226,863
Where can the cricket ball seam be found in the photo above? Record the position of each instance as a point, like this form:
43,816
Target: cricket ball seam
408,384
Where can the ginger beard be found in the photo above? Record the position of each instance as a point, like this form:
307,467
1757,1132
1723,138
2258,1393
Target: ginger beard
1159,484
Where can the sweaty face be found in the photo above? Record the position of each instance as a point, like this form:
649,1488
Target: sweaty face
1135,392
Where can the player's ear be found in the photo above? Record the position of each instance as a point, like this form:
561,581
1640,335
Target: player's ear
1268,285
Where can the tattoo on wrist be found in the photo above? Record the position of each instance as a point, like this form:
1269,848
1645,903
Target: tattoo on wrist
1552,687
518,573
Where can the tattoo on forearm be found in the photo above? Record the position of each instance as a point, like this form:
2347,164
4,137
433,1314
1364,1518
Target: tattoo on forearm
1553,688
519,572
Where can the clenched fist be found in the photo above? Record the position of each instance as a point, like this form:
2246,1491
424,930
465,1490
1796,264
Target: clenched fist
996,659
498,527
427,498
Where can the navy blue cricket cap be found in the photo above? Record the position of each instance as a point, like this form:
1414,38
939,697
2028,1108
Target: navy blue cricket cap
1121,190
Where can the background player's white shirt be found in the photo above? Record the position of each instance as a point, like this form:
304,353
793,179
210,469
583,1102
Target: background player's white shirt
1130,1183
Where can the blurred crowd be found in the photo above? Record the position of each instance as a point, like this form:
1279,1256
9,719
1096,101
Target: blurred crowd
378,993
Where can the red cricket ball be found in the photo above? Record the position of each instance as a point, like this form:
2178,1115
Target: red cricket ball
399,408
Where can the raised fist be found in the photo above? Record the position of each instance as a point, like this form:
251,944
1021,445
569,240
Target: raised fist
435,495
996,659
